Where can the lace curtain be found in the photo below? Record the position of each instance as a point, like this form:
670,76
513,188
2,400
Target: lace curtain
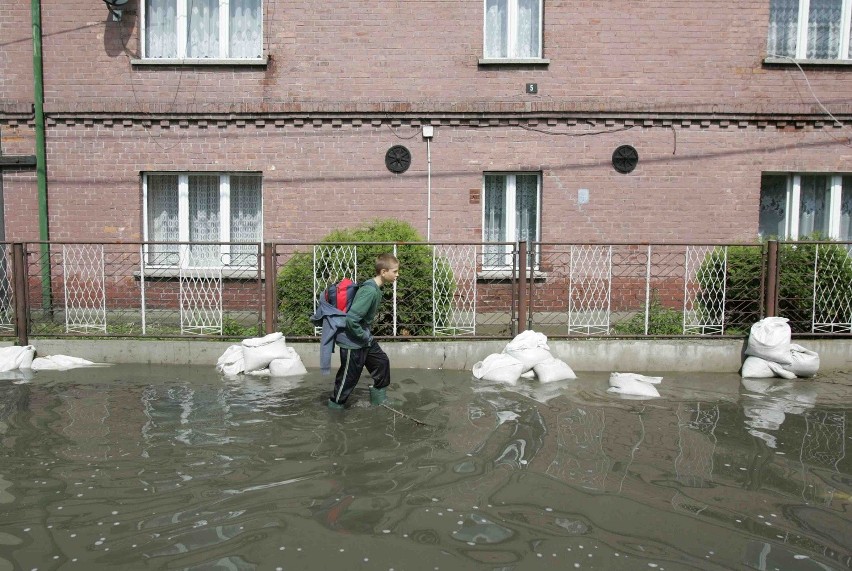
246,40
846,209
204,219
202,25
161,29
495,219
815,196
824,29
245,218
783,27
163,222
773,207
526,207
496,29
527,30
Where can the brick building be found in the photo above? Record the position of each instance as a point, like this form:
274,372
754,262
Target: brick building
261,119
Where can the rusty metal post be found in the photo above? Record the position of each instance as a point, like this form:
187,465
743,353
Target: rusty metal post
270,298
771,301
19,271
522,287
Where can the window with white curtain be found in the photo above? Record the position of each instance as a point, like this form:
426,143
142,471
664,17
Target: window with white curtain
513,29
810,29
794,206
510,214
203,29
203,207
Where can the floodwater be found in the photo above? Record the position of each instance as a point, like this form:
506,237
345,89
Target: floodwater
166,467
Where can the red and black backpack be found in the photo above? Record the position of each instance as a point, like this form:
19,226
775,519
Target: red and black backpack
341,294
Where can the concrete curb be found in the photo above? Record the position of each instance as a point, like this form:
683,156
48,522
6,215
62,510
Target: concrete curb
687,355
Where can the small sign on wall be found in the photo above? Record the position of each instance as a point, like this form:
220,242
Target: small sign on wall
475,194
532,88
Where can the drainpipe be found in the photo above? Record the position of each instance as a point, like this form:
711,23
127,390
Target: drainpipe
41,164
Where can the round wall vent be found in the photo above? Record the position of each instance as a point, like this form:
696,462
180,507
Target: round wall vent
624,159
398,159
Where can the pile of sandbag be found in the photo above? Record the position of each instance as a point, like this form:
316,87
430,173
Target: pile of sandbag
633,384
14,357
526,355
770,352
268,355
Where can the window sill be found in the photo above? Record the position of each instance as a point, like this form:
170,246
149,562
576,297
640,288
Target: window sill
772,60
514,61
237,273
507,274
233,62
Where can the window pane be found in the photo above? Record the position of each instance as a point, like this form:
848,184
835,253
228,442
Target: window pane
245,218
527,30
494,225
163,222
202,25
846,209
496,28
783,27
814,199
824,19
161,28
526,207
245,26
204,219
773,206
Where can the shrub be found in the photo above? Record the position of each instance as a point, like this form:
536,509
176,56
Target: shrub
796,282
414,288
661,320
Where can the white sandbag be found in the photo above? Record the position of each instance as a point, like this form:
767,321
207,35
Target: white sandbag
60,363
258,352
553,370
757,368
231,361
769,339
14,358
633,384
499,367
287,366
530,348
804,362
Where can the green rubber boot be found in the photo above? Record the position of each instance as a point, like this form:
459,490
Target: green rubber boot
334,406
378,396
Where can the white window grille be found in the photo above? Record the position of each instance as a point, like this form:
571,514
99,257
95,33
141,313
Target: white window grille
512,29
202,207
810,29
510,214
202,29
794,206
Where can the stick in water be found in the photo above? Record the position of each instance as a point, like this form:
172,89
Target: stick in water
411,418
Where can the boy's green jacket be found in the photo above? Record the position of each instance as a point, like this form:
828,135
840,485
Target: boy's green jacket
360,316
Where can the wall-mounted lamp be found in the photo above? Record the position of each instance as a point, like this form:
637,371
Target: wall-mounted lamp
116,8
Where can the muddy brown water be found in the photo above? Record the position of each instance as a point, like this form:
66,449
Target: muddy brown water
174,467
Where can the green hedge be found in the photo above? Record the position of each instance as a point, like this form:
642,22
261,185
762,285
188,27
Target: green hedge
414,287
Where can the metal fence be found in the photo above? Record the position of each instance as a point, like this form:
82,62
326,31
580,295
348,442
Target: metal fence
446,290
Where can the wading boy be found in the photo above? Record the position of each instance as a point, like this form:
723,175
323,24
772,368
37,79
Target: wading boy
357,347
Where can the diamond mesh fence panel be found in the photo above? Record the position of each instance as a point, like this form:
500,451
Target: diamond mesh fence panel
7,299
85,295
454,290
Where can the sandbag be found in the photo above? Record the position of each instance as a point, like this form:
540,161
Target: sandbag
287,366
258,352
231,361
15,357
530,348
60,363
499,367
757,368
803,362
553,370
769,339
633,384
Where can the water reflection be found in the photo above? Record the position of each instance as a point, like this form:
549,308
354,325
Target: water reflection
175,467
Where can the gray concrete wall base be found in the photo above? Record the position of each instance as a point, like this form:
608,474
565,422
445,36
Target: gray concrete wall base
695,355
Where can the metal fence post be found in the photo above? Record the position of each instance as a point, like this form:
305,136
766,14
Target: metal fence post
270,302
522,287
19,270
771,300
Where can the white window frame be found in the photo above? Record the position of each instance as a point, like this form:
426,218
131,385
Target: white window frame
794,196
512,40
183,215
802,35
181,32
511,214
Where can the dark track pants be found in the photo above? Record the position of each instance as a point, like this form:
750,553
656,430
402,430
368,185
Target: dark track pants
352,363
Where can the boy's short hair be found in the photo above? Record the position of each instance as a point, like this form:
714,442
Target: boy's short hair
386,262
